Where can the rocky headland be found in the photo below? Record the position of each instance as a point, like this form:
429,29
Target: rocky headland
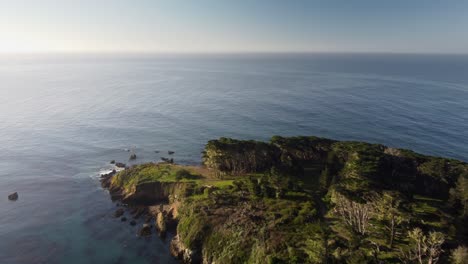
301,200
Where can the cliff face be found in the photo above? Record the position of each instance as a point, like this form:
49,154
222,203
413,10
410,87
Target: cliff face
148,184
328,161
155,192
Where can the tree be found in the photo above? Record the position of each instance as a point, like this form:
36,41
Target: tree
425,249
387,209
355,215
460,193
459,255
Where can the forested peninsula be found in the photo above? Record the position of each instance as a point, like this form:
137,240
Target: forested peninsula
303,200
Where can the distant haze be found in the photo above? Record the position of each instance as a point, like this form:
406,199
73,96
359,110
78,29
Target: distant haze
417,26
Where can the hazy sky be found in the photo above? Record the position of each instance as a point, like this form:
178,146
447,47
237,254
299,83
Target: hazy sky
439,26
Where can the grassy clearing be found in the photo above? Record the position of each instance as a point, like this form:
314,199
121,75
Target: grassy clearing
152,172
163,172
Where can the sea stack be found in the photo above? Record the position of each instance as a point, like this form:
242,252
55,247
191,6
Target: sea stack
13,196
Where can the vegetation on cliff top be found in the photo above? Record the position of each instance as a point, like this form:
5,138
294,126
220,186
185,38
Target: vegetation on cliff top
316,200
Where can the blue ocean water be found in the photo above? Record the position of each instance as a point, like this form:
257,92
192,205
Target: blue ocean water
64,117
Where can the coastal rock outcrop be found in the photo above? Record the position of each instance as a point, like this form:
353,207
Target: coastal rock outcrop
120,165
106,178
153,192
13,196
145,230
184,254
161,223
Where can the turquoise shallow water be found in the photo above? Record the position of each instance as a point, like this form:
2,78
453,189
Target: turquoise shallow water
62,118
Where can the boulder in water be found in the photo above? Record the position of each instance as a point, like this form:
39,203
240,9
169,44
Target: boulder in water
133,156
112,162
145,230
13,196
133,222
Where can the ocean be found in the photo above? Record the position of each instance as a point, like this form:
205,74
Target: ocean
64,117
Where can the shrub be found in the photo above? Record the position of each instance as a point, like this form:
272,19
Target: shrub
183,174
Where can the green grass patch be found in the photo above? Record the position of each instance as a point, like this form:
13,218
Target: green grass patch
151,172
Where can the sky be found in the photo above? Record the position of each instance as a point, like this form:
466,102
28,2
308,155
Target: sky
409,26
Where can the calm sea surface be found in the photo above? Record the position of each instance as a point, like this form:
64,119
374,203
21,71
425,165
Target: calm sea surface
63,118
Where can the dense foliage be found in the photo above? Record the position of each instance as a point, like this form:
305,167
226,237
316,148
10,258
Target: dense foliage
370,203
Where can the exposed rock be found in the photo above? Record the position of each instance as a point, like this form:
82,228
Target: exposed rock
107,175
171,161
170,152
184,254
155,192
133,156
112,162
120,165
145,230
123,219
139,212
106,178
119,212
13,196
161,223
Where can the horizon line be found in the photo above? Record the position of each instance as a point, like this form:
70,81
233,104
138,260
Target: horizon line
278,52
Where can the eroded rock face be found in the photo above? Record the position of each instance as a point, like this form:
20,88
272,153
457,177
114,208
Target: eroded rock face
106,178
13,196
153,192
161,223
184,254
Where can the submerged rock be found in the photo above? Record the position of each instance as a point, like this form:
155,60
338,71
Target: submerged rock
123,219
170,152
13,196
133,223
145,230
119,212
